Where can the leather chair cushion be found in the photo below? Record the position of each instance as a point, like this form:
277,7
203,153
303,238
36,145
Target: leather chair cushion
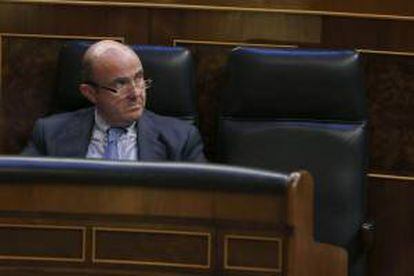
314,146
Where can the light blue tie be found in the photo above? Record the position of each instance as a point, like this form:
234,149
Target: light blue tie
111,149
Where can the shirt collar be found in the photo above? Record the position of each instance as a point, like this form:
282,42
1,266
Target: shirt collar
103,126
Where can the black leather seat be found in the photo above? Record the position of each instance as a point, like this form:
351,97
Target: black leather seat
171,68
303,109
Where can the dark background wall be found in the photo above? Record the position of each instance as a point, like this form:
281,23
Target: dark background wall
31,34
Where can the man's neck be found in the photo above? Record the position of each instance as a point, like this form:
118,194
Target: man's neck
103,121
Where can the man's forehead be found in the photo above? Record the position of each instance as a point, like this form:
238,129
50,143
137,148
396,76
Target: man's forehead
116,58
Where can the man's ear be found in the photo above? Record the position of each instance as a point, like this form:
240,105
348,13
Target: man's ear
88,92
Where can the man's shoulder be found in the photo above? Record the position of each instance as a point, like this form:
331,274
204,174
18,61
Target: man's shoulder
168,126
181,138
67,116
166,120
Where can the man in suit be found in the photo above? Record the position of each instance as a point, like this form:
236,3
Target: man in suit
118,126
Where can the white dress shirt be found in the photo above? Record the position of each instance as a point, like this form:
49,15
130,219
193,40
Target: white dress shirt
127,143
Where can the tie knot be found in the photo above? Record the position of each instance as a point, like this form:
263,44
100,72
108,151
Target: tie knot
114,133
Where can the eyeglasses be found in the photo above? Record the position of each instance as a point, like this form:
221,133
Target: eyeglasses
122,85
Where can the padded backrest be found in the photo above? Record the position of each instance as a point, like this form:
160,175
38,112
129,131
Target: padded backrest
152,174
296,109
171,68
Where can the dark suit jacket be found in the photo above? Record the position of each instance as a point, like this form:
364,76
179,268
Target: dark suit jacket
160,138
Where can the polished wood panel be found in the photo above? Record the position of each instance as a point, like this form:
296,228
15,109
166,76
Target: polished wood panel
239,249
46,243
399,7
131,24
359,33
391,206
143,201
234,26
134,228
152,247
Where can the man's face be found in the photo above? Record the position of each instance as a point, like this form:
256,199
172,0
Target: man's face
122,72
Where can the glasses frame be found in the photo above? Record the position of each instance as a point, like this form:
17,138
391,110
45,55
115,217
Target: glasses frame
147,85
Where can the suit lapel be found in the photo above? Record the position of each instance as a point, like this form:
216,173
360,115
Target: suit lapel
150,145
74,140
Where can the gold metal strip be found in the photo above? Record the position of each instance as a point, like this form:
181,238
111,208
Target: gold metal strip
164,264
218,8
44,226
391,177
255,238
122,39
231,43
235,43
393,53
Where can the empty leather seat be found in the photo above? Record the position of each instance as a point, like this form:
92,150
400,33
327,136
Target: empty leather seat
291,109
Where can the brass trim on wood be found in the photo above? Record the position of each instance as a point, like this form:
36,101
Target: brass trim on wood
380,52
255,238
150,4
155,231
230,43
44,226
391,177
46,36
177,41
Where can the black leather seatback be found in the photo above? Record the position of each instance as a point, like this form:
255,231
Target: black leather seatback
302,109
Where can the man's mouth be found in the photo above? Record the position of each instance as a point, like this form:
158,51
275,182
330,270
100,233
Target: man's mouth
135,101
137,104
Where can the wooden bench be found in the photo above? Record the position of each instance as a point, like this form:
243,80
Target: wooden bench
78,217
